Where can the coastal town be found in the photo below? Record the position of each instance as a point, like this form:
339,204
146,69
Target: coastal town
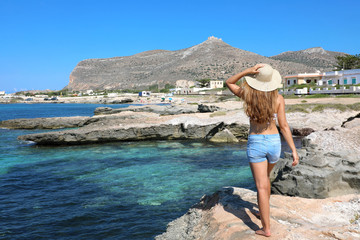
328,83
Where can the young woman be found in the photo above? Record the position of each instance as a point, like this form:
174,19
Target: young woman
263,105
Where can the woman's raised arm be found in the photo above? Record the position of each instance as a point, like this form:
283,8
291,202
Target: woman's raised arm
231,82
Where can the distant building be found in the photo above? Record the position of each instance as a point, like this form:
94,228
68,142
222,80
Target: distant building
216,84
343,77
186,90
303,78
144,93
2,93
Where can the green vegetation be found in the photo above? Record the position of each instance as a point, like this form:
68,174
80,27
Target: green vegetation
218,113
228,97
356,217
291,96
50,93
16,100
203,82
322,107
169,86
348,96
355,106
319,108
347,62
154,88
318,95
296,108
307,108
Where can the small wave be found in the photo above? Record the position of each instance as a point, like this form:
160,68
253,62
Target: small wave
27,143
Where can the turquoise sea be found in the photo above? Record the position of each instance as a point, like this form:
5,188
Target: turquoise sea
122,190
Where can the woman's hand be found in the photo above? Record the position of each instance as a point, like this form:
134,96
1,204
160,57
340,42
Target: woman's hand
295,158
254,70
231,82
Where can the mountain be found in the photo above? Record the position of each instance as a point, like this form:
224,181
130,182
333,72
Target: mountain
212,59
316,57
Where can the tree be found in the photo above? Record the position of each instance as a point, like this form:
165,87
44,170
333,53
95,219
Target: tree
154,88
169,86
203,82
347,62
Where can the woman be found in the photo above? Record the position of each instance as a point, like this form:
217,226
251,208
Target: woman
263,105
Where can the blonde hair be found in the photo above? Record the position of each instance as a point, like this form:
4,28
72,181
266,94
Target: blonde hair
258,105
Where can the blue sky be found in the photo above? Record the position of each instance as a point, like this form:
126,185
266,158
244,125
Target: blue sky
41,41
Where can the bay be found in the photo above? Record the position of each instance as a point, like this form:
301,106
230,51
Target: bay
123,190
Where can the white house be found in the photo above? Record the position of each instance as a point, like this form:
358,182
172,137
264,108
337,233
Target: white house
303,78
216,84
144,93
2,93
343,77
186,90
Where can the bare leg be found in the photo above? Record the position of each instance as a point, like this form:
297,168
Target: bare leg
262,181
270,167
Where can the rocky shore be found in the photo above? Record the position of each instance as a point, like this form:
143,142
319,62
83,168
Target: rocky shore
318,199
329,166
230,214
151,122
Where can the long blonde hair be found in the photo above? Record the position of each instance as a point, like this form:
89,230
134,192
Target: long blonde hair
258,105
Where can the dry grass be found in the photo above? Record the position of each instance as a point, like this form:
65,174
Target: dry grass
306,108
218,113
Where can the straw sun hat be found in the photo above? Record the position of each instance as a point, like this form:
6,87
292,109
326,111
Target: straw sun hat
268,79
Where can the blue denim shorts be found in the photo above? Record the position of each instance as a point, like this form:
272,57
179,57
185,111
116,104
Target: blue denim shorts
263,147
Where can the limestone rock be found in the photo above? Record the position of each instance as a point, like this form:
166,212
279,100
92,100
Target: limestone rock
240,131
229,214
207,108
319,174
159,109
302,131
100,132
224,136
121,101
46,123
352,122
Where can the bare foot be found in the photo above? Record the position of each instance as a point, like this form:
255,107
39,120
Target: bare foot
263,233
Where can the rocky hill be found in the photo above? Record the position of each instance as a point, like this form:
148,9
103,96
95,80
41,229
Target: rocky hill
316,57
212,59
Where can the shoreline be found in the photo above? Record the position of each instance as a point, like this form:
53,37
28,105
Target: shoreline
329,160
158,98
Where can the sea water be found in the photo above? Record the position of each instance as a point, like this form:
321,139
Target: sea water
122,190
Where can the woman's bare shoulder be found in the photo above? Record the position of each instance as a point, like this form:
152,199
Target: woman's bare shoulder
279,102
280,97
